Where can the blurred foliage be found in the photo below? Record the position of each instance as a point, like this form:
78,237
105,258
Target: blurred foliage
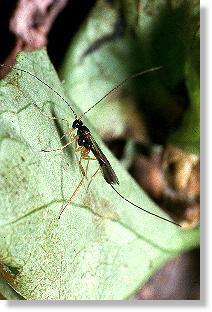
120,38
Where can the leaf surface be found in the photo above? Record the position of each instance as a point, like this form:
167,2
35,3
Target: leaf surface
101,248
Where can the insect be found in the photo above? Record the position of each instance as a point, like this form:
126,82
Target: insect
85,143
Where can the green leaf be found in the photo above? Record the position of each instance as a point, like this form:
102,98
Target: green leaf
102,247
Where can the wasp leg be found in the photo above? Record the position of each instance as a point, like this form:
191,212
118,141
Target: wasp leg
69,132
85,158
59,118
92,177
58,149
74,138
72,196
90,158
83,151
84,155
55,118
84,173
80,163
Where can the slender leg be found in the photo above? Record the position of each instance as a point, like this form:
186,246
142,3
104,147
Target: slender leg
81,167
80,163
92,177
62,147
90,158
73,194
83,152
55,118
69,132
84,155
58,149
84,172
86,169
58,118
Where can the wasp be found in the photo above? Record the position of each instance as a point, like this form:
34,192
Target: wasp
85,143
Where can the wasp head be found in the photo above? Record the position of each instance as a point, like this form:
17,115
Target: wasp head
77,124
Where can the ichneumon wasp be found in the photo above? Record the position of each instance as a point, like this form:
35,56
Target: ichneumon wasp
85,143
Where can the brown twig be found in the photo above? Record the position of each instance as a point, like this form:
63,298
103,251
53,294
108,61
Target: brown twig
31,23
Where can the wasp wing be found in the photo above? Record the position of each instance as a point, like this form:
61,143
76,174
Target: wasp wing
107,171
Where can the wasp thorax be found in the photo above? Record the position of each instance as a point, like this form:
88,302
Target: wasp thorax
77,124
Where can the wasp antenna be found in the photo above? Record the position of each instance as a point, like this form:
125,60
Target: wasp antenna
151,213
40,80
122,82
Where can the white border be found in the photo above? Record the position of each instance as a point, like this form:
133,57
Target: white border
206,157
